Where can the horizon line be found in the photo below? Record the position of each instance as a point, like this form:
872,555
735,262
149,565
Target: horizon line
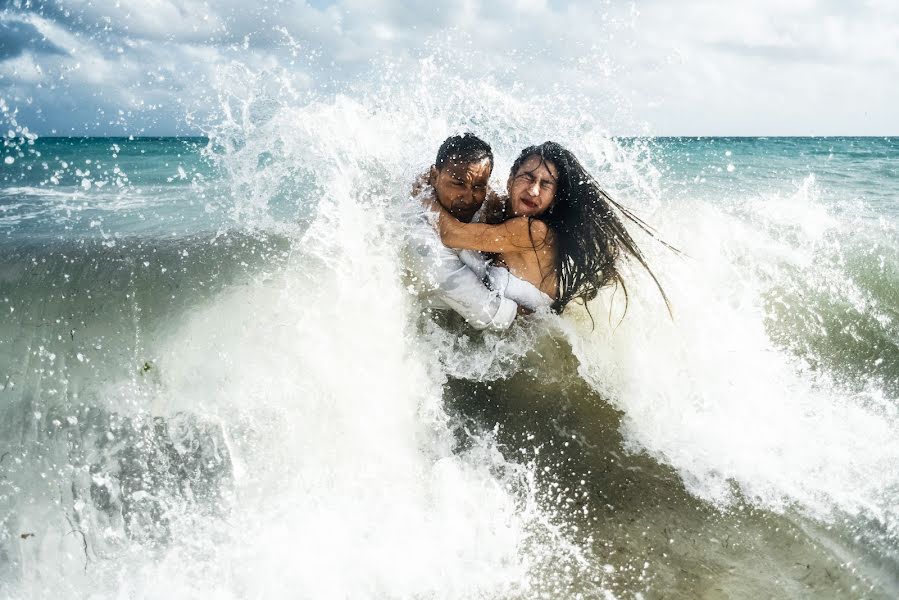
679,136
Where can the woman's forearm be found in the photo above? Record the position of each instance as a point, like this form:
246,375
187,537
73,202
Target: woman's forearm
514,235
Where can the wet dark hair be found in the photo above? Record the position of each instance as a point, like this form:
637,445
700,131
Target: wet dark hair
590,237
465,148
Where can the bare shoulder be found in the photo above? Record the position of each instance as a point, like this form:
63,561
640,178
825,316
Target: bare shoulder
538,232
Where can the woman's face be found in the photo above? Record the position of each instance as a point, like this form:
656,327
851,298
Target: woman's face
532,188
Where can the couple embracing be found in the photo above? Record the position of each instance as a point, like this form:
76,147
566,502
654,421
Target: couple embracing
553,238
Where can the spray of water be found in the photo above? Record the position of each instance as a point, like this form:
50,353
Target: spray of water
306,398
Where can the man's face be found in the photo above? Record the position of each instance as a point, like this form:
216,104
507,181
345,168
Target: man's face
461,187
532,188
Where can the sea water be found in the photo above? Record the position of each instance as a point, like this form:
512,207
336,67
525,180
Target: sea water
215,381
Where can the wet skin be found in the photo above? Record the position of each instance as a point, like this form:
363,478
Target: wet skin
461,188
532,188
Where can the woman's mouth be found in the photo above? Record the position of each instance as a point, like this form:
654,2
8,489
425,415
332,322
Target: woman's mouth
529,204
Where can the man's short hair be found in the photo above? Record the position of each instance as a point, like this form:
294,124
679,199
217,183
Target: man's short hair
465,148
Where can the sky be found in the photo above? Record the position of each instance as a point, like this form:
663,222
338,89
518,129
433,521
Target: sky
689,67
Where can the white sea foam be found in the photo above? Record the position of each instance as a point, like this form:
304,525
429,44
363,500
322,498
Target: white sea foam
346,478
347,485
328,390
710,392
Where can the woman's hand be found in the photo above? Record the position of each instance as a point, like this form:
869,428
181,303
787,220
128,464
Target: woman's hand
426,194
429,202
419,184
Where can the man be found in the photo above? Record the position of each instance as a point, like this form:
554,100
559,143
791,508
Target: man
454,279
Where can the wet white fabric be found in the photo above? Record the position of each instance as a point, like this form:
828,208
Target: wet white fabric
476,261
454,279
514,288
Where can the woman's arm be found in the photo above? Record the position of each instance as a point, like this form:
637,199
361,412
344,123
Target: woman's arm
515,235
419,184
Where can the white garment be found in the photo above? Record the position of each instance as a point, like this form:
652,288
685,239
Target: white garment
454,279
524,293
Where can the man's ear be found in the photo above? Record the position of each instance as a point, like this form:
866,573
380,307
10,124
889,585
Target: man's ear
432,176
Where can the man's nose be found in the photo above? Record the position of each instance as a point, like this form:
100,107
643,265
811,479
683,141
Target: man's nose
534,189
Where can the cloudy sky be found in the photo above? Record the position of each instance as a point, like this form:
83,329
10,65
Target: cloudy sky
691,67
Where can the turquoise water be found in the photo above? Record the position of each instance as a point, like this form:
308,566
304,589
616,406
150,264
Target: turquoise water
77,187
155,172
846,168
212,373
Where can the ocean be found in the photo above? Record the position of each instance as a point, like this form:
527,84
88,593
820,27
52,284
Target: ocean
215,381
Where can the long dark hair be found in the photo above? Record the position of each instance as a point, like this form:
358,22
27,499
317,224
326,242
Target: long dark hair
590,237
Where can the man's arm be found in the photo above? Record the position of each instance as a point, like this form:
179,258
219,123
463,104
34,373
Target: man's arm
455,283
448,283
460,288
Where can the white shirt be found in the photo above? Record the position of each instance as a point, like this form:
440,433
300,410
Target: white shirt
454,279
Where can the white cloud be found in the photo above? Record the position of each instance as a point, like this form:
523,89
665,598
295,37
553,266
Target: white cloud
698,67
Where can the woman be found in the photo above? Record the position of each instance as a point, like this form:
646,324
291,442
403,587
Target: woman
561,238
